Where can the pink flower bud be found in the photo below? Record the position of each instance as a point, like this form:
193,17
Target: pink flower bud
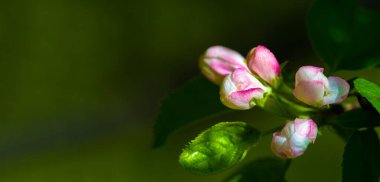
262,61
219,61
313,88
239,90
294,138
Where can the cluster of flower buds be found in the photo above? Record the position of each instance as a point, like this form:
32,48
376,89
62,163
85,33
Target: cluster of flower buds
239,78
245,82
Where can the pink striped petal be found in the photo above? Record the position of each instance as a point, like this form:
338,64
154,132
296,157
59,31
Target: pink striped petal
243,79
219,61
294,138
306,128
311,73
279,145
242,100
297,145
337,91
310,92
263,62
240,88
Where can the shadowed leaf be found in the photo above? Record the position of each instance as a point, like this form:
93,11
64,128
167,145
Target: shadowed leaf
344,34
361,159
197,99
260,170
359,118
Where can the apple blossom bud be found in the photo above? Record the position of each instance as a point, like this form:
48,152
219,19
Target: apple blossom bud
240,88
313,88
294,138
219,61
262,61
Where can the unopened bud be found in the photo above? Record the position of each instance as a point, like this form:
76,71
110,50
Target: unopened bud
219,61
294,138
313,88
240,89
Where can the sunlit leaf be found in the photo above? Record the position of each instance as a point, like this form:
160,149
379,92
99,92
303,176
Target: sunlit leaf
344,34
369,90
197,99
219,147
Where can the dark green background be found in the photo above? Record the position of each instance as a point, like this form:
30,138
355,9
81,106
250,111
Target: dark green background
81,83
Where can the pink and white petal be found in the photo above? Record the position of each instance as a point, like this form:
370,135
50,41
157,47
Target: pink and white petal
337,91
297,153
307,73
243,79
279,144
228,86
306,128
311,73
298,144
221,67
288,130
263,62
220,61
310,92
242,100
210,74
226,55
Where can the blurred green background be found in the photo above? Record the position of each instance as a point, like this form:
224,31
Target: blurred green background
81,83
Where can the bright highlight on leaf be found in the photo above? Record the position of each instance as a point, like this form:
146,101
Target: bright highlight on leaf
219,147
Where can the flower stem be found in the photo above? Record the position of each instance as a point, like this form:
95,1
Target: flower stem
283,107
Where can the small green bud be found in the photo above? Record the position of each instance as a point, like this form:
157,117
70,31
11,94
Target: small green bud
219,147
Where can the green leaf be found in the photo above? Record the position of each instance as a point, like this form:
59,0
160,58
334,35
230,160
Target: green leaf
343,132
197,99
359,118
219,147
361,158
260,170
370,91
344,34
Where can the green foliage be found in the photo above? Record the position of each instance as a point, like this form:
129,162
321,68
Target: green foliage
197,99
260,170
370,91
344,34
361,159
359,118
219,147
